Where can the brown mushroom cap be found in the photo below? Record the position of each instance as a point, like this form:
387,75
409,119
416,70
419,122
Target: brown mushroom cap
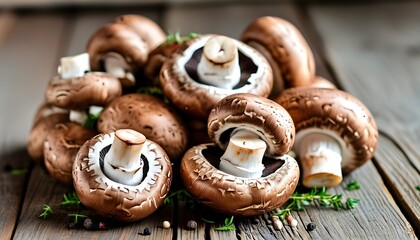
149,116
39,132
181,85
147,29
47,109
114,200
60,149
286,50
117,38
264,117
337,114
235,195
159,55
93,88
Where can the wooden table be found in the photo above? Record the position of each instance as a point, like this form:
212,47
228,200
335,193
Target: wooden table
371,50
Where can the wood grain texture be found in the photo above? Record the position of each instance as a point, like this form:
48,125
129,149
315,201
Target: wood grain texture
376,58
21,94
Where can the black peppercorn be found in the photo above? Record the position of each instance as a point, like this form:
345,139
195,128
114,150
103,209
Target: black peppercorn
147,231
310,226
88,224
71,225
191,225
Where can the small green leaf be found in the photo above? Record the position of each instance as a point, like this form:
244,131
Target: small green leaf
351,203
46,211
353,185
70,199
207,221
418,187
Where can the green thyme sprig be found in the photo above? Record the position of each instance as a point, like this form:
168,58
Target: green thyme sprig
176,38
70,199
353,185
299,200
418,187
182,195
46,211
228,225
76,217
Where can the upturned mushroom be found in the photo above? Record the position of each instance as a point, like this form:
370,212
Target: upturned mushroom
122,175
335,133
61,146
150,116
246,171
286,50
77,89
122,47
45,117
211,68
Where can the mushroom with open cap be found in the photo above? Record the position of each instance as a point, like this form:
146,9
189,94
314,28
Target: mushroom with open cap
77,89
246,171
335,133
211,68
150,116
286,50
61,146
122,175
122,47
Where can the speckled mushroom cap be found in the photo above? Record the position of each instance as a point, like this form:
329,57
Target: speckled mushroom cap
114,200
93,88
233,195
286,50
181,85
264,117
118,38
149,116
40,130
338,114
60,149
147,29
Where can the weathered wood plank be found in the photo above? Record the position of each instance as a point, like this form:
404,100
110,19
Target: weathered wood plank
376,58
32,45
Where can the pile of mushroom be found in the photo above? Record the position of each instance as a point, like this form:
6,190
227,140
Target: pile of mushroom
247,97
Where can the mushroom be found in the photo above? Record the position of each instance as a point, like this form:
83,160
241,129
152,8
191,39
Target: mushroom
122,47
122,175
335,133
174,43
320,82
60,149
150,116
211,68
246,171
46,117
285,49
77,89
147,29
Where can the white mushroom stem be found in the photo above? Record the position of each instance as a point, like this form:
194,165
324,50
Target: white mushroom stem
219,63
80,116
243,155
116,65
74,66
320,157
123,163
